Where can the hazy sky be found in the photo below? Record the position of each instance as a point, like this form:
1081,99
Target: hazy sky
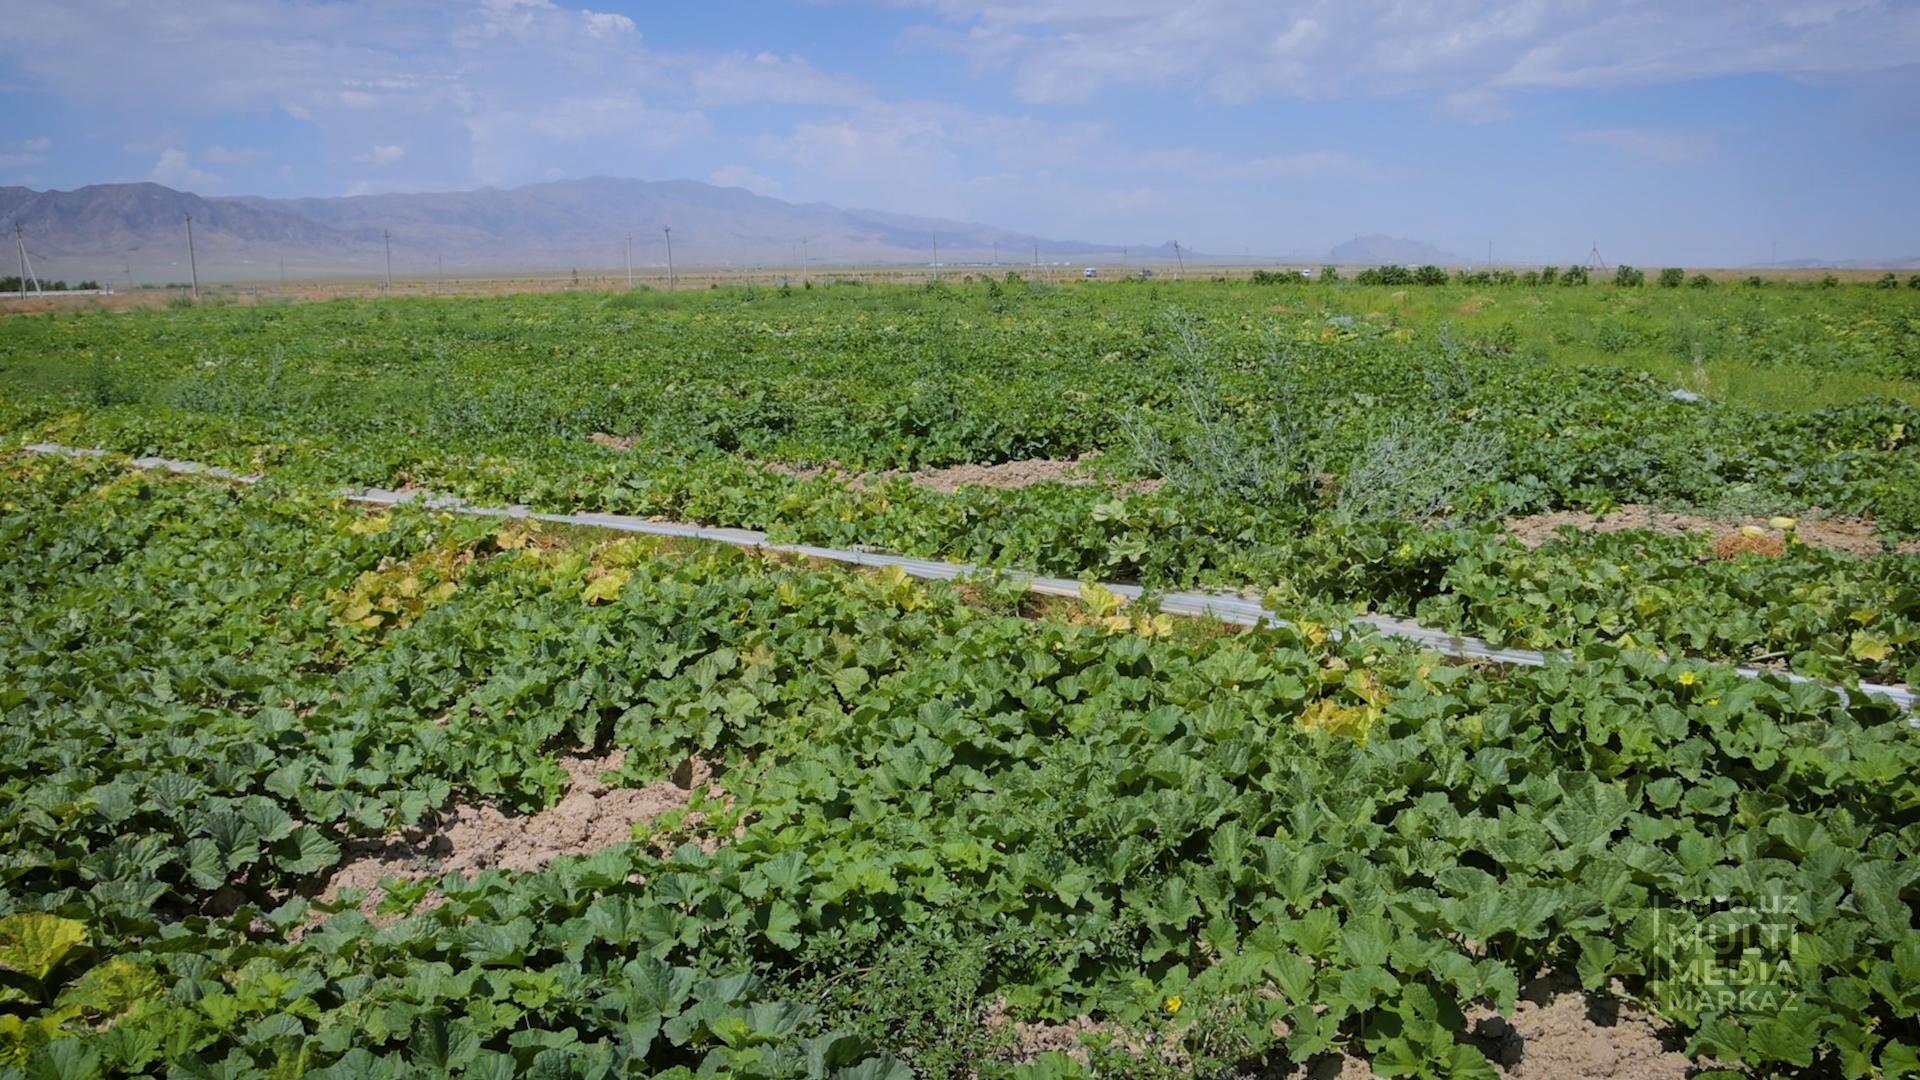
1677,131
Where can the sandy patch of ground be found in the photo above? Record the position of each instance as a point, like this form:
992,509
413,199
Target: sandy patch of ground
1556,1032
591,816
1559,1031
1027,1040
1852,535
1009,474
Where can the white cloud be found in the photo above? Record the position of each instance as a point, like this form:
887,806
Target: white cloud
587,117
732,78
476,90
25,152
1663,145
176,171
1475,106
226,155
742,177
382,155
1189,164
1066,50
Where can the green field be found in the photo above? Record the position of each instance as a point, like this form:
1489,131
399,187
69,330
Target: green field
934,806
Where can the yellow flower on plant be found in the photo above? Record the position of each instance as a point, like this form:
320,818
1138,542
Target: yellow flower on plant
1686,678
1713,701
1173,1004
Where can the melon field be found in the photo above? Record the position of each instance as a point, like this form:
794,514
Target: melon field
297,786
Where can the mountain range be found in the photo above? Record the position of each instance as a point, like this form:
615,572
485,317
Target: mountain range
1378,248
123,231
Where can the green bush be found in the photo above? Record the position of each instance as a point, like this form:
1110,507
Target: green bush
1275,277
1391,274
1626,277
1699,281
1549,275
1887,281
1672,277
1429,275
1575,275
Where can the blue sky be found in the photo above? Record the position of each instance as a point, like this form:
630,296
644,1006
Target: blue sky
1694,132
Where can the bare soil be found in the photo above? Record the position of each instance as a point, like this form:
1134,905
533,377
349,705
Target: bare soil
591,816
1850,534
1556,1032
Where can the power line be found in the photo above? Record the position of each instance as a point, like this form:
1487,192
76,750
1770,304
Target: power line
26,268
193,263
806,262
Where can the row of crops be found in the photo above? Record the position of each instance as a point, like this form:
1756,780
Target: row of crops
939,810
1227,845
1358,463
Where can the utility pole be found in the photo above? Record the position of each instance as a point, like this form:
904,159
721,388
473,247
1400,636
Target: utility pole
669,233
1123,258
1036,260
129,267
283,273
193,263
629,260
1182,260
387,239
21,243
1773,258
936,258
439,273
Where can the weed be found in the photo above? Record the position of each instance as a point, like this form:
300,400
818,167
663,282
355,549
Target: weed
1417,469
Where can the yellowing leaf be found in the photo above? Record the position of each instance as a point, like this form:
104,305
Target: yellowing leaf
1100,599
113,988
34,943
1337,719
604,588
376,524
1866,647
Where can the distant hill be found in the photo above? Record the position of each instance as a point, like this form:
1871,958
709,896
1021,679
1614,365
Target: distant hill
1379,248
103,230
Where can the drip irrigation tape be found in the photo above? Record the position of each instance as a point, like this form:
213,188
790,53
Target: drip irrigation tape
1237,610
